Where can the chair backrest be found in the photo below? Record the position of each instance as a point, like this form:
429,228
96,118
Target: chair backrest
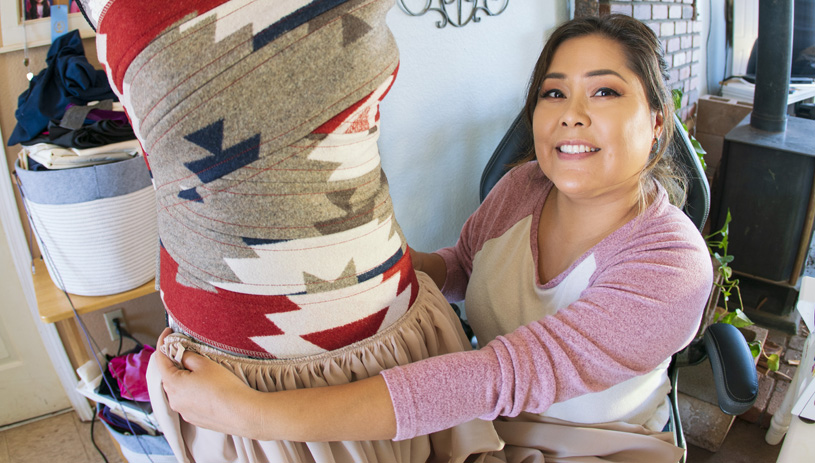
517,142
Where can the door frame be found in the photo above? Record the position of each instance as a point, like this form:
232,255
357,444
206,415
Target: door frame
10,218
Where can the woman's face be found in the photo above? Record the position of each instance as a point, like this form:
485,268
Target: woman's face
592,125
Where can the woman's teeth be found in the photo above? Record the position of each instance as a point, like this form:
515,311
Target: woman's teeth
574,149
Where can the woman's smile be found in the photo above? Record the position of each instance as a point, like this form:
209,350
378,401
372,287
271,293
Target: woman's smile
575,150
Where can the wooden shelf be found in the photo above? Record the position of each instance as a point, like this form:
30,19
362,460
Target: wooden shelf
53,305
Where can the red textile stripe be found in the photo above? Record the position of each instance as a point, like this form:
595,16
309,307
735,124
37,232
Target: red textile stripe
331,125
407,276
342,336
202,313
131,25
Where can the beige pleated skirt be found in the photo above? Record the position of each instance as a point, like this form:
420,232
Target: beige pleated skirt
531,438
429,328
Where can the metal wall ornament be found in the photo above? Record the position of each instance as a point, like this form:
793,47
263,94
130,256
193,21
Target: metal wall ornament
464,11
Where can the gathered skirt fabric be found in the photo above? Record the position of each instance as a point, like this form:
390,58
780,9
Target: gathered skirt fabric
531,438
429,328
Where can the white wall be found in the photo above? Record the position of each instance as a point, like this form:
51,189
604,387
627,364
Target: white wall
456,93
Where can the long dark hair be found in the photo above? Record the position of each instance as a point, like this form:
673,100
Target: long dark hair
644,56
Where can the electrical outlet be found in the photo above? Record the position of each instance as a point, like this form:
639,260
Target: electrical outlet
109,317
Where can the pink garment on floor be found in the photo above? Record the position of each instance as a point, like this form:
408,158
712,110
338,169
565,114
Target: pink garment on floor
130,372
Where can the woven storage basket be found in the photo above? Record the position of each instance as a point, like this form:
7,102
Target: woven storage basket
96,226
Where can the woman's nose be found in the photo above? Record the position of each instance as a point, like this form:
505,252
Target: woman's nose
575,113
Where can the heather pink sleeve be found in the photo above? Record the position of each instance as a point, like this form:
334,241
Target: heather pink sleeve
459,267
643,304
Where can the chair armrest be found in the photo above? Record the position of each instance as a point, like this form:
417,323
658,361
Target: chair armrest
734,371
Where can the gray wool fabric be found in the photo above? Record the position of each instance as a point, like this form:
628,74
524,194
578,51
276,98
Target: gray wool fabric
276,95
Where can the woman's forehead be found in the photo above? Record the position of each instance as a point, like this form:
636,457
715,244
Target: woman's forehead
590,52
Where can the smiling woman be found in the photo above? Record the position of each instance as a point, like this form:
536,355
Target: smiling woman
582,113
581,278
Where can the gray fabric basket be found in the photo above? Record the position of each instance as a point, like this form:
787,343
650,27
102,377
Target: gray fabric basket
96,226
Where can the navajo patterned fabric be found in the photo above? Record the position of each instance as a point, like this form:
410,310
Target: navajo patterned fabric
259,121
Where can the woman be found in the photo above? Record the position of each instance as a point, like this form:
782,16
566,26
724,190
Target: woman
38,9
577,269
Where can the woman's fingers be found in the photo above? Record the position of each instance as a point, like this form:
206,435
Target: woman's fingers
167,331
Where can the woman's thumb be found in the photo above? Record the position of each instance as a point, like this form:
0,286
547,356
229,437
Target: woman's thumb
193,362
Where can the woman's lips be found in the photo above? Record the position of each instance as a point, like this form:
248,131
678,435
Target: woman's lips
575,150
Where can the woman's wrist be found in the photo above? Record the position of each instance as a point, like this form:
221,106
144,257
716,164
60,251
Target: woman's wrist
417,259
430,263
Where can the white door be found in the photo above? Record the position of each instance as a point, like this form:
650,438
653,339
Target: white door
29,386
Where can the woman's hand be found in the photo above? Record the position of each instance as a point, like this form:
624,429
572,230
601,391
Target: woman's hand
208,395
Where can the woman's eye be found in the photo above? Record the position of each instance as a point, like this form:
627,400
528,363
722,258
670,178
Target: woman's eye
605,91
554,93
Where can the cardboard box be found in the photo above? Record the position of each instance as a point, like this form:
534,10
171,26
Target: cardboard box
715,117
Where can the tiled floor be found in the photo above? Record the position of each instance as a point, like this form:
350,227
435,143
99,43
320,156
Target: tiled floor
59,439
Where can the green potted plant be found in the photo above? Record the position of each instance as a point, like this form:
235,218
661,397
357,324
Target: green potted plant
727,287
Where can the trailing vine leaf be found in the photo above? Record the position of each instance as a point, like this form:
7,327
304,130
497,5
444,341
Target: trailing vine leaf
773,362
717,247
700,151
677,97
755,348
736,318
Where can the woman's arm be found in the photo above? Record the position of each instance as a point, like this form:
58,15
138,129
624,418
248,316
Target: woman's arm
210,396
430,263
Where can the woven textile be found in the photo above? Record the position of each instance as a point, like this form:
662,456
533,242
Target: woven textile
260,122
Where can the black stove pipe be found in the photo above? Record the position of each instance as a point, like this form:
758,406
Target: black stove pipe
774,59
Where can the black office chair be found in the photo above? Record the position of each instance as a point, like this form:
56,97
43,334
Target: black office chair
733,368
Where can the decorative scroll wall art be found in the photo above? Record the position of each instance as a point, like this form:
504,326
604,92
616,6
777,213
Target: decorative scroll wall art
457,13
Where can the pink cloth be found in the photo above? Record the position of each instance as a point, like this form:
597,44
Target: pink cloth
642,304
130,372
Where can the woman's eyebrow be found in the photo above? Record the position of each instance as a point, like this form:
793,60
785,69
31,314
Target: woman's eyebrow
605,72
595,73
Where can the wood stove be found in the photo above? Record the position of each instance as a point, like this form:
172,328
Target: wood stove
766,182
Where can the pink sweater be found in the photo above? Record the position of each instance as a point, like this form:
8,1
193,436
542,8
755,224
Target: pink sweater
642,303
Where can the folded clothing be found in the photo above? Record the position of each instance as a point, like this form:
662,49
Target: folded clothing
120,423
93,135
57,157
129,371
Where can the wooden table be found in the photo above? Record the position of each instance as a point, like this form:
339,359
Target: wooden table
54,307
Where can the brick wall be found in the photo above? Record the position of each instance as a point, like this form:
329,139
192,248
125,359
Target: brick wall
674,22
